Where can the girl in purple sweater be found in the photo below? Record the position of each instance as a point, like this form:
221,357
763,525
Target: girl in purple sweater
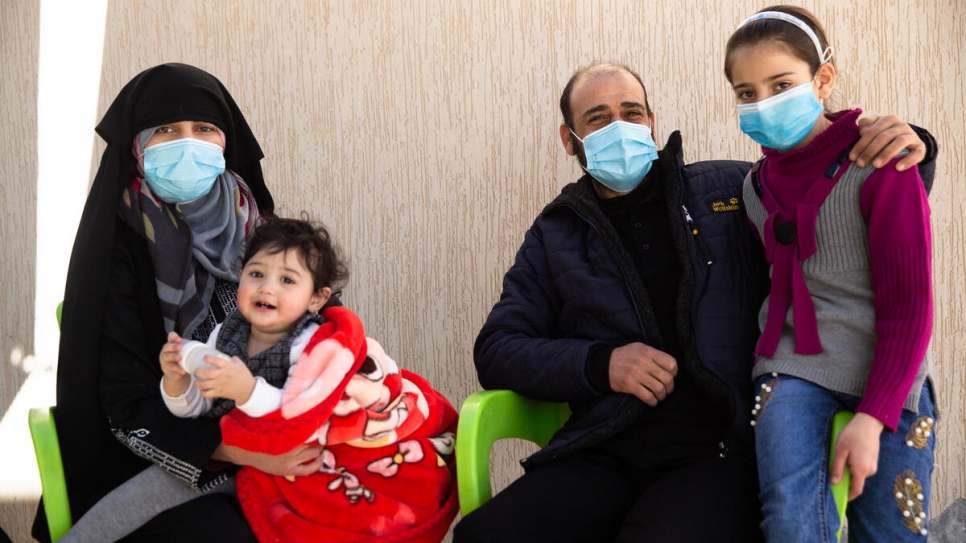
849,316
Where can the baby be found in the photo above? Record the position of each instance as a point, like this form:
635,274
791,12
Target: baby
340,390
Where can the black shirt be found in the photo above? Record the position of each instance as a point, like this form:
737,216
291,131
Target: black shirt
682,426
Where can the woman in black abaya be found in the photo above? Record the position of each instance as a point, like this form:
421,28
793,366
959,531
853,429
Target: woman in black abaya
155,252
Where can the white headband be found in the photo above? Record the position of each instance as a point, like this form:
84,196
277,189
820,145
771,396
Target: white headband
823,56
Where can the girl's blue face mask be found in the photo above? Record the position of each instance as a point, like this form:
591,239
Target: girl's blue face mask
619,155
183,170
781,121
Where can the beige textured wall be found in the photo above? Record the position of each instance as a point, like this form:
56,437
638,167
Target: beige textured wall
424,133
18,195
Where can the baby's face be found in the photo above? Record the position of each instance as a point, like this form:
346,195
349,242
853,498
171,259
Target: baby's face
275,290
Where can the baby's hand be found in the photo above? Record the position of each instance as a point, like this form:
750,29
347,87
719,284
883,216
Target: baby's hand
858,446
229,379
176,381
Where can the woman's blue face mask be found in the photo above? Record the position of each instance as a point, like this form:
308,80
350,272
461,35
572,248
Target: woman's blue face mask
781,121
182,170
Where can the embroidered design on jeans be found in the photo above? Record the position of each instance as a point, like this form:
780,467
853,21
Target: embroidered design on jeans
908,494
918,435
764,396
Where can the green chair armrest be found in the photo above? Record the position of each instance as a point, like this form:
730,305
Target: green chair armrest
840,490
43,432
491,415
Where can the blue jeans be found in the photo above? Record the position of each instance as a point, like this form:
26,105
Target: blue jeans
792,435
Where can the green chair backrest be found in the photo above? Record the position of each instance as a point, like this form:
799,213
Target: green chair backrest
488,416
43,433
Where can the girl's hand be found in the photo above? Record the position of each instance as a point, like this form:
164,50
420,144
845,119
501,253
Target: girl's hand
229,379
176,381
858,446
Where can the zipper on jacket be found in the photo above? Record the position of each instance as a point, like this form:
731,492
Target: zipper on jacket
702,248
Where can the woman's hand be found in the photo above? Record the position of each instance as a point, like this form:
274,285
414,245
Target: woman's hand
229,379
176,381
858,446
303,460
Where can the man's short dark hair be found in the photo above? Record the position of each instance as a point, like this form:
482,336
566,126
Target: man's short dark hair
601,67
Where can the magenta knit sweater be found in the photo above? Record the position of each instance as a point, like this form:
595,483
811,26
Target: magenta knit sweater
895,210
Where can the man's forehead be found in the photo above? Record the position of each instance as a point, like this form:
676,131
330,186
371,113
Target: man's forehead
599,84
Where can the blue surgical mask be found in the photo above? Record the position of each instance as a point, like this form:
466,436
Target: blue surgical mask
183,170
781,121
619,155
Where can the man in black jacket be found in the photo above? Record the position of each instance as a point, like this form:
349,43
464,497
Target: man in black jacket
635,298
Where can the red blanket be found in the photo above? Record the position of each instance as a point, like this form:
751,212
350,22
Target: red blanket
388,437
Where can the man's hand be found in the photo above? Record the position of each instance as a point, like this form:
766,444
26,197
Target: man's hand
882,139
303,460
858,446
642,371
229,379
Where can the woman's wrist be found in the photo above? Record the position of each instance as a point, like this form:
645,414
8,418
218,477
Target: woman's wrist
227,453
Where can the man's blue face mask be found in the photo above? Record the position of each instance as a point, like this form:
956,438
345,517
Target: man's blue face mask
619,155
781,121
183,170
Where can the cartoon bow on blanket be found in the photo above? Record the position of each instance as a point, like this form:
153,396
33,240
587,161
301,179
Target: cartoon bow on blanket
388,438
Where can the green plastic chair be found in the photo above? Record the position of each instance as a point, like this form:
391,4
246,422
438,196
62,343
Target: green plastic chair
43,433
840,490
488,416
491,415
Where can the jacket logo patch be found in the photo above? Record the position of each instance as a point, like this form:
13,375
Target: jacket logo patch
722,206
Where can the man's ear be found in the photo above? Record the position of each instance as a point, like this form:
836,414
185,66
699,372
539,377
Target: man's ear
825,76
566,137
319,298
653,118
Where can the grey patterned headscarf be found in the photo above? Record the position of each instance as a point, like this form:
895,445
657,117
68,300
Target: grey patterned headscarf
191,243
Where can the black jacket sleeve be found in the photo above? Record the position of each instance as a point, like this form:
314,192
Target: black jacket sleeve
927,168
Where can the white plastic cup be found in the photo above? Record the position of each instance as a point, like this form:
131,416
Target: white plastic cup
193,355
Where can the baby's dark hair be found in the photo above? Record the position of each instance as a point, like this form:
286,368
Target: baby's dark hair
311,242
